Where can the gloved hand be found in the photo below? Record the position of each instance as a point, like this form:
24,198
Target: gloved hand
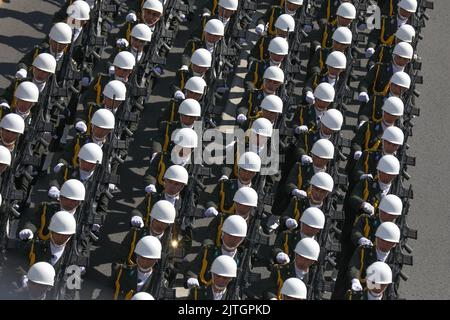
192,282
85,81
299,193
357,155
369,52
179,95
210,212
282,258
301,129
224,177
137,222
95,227
111,70
241,118
310,97
307,28
82,270
58,167
356,285
26,234
366,176
81,126
158,70
363,97
291,223
24,281
259,29
150,188
122,43
112,187
53,192
306,159
368,208
363,241
184,67
5,105
21,74
131,17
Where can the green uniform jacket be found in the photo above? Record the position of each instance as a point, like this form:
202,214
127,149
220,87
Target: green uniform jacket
365,226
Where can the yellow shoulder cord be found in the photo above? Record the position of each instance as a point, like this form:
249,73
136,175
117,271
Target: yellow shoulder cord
391,8
132,245
270,29
161,170
193,44
76,150
366,190
32,255
166,137
361,266
366,163
380,58
390,39
66,174
219,231
376,78
172,111
128,33
325,36
255,74
328,10
374,107
195,293
279,283
300,118
182,80
129,295
149,209
203,269
314,84
321,58
117,291
235,166
367,137
286,243
250,104
43,220
214,8
306,143
98,88
88,131
366,228
261,49
14,100
299,177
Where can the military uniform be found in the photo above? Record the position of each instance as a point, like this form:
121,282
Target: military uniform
215,226
372,110
191,45
281,273
386,34
286,242
318,77
294,210
388,7
126,281
328,10
366,164
383,54
250,103
306,115
271,15
260,49
367,137
254,77
38,219
362,258
377,79
204,293
163,142
170,113
365,226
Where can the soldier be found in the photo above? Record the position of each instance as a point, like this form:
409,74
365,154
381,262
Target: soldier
39,280
293,289
271,107
328,10
5,160
267,22
378,278
11,126
225,12
223,270
200,65
25,97
140,37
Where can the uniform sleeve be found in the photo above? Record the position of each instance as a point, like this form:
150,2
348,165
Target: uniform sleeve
356,199
243,104
355,265
368,80
358,140
214,197
152,172
291,182
30,219
358,228
250,79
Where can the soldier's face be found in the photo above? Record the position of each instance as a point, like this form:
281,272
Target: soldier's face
303,263
403,13
193,95
231,242
3,167
137,44
242,209
87,166
269,115
271,86
282,33
325,130
397,90
318,162
173,188
400,61
9,137
385,178
376,288
145,264
59,239
24,106
68,204
220,282
384,246
276,58
334,72
308,230
100,133
389,147
321,105
40,75
150,17
212,38
225,13
343,22
292,6
57,47
386,217
158,227
187,120
37,290
122,73
339,46
246,176
111,104
317,194
389,119
199,70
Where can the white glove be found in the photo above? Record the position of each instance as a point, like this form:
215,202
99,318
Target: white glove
368,208
58,167
82,270
363,97
360,124
184,67
24,281
131,17
356,285
95,227
210,212
310,97
306,159
179,95
53,192
291,223
283,258
21,74
307,28
241,118
301,129
5,105
415,56
150,188
366,176
259,29
85,81
363,241
112,187
369,52
111,70
26,234
192,282
357,155
299,193
81,126
224,177
158,70
122,43
137,222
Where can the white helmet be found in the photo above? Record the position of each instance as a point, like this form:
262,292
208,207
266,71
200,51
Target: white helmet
325,92
163,211
13,122
391,204
91,152
154,5
343,35
229,4
406,33
196,84
401,79
45,62
79,10
42,273
27,91
235,225
61,32
246,196
215,27
190,107
404,50
388,231
116,90
323,148
142,296
272,103
294,288
279,45
285,22
142,32
186,138
149,247
202,58
308,248
103,118
73,189
263,127
274,73
298,2
323,181
177,173
5,156
337,59
394,106
394,135
389,164
408,5
379,272
332,119
63,222
124,60
250,161
346,10
224,266
313,217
